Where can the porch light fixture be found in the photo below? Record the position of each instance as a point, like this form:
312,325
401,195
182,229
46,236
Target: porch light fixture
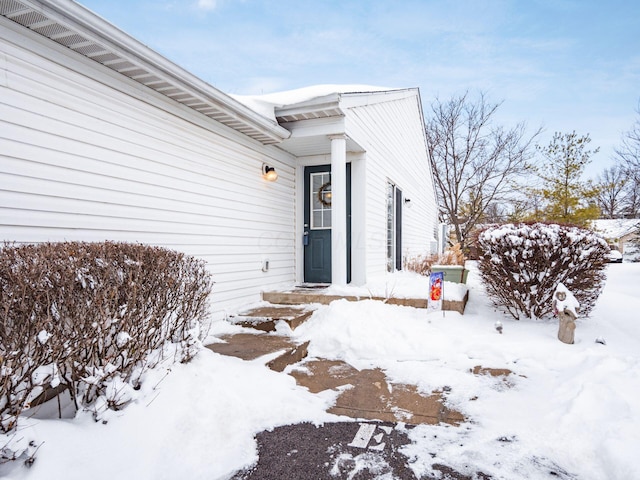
407,200
269,173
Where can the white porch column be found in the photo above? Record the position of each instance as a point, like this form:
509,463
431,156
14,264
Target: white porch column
338,209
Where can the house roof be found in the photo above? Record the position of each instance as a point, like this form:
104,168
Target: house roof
313,114
318,101
73,26
616,228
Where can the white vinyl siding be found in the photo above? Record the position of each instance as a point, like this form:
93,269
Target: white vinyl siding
391,133
85,155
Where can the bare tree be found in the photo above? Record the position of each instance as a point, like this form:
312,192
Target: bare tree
611,191
475,163
494,213
629,157
631,204
629,151
527,207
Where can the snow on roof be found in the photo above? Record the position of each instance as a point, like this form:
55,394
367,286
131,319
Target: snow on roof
267,103
615,228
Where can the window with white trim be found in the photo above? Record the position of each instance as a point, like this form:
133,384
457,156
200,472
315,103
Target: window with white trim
394,227
320,200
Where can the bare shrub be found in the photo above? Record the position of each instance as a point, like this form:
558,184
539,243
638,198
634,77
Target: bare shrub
452,256
422,264
522,264
83,314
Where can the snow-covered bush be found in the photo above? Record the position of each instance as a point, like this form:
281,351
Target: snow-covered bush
88,316
522,264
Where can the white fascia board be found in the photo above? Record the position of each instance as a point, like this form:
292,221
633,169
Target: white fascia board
316,127
78,18
319,104
336,104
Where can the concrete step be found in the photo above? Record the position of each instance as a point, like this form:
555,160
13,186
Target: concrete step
249,346
265,318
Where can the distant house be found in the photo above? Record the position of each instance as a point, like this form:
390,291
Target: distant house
102,138
618,232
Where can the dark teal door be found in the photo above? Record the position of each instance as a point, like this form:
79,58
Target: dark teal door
317,224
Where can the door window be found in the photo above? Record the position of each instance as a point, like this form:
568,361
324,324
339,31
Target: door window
320,200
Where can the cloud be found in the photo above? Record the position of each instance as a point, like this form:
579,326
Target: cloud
207,5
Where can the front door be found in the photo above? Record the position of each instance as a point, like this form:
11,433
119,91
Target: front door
317,224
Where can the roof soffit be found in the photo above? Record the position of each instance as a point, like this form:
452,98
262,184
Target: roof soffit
322,107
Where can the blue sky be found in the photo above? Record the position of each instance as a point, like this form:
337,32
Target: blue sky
561,64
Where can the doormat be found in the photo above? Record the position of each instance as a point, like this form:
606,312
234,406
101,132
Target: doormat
313,286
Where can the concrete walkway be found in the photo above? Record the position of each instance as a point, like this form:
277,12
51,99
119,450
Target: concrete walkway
368,447
368,394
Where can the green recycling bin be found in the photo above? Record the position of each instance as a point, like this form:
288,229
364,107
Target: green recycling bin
452,273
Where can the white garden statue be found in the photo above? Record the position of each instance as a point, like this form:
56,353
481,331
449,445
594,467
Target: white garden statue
566,306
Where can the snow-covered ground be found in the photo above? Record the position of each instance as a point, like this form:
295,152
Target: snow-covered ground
399,285
566,408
